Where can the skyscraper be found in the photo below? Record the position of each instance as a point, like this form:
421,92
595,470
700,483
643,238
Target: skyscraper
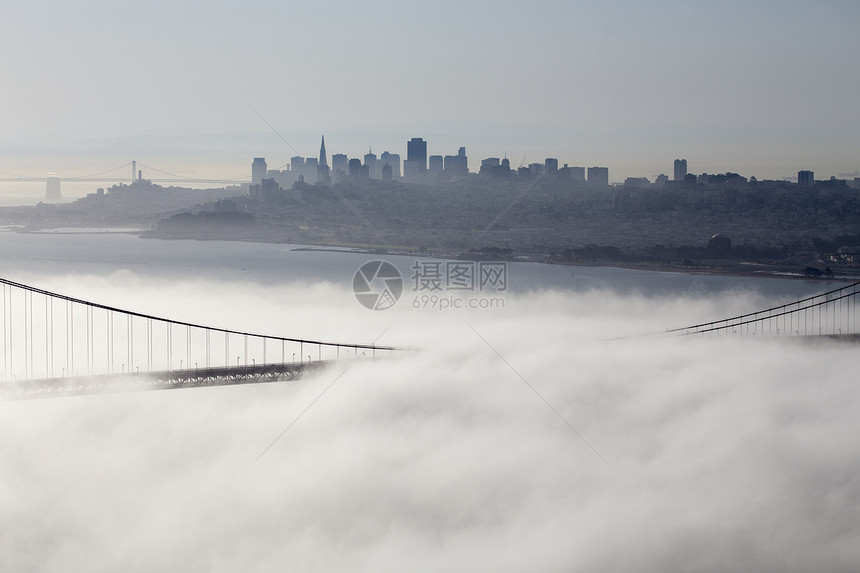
393,161
805,178
437,164
322,168
374,167
598,176
416,150
457,166
258,170
297,165
355,169
577,173
415,166
339,167
680,169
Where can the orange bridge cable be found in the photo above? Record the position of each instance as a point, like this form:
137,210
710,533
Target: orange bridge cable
753,314
13,175
92,305
724,323
126,165
164,172
762,318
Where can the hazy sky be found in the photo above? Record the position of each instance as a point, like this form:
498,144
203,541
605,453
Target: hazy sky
763,88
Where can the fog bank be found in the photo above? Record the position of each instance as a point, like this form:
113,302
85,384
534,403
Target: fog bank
720,454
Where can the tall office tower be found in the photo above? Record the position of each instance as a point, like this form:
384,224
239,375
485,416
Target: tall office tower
489,166
393,161
450,165
416,159
339,167
322,168
680,169
297,166
457,166
258,170
598,176
374,168
550,167
437,164
416,150
537,169
805,178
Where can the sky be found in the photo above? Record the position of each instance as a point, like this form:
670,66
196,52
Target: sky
687,454
762,88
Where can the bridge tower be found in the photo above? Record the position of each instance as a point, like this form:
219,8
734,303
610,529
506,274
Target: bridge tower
52,188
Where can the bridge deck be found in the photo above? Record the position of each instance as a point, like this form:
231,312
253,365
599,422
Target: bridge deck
158,380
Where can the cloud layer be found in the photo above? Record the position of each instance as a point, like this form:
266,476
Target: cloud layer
719,453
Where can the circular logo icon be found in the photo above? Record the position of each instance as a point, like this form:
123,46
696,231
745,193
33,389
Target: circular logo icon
377,285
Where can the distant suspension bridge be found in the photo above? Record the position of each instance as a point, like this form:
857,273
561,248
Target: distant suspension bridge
52,344
130,172
832,313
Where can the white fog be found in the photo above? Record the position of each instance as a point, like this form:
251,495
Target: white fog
719,453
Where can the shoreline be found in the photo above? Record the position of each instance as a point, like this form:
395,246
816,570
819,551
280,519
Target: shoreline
756,270
735,269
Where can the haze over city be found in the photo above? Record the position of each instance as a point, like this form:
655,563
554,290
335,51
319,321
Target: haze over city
761,88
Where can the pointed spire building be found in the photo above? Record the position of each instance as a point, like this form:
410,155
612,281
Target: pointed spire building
323,173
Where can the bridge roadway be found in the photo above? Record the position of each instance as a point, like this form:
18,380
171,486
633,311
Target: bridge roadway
157,380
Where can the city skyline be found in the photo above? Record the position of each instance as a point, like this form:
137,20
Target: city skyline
224,156
399,162
453,166
737,86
